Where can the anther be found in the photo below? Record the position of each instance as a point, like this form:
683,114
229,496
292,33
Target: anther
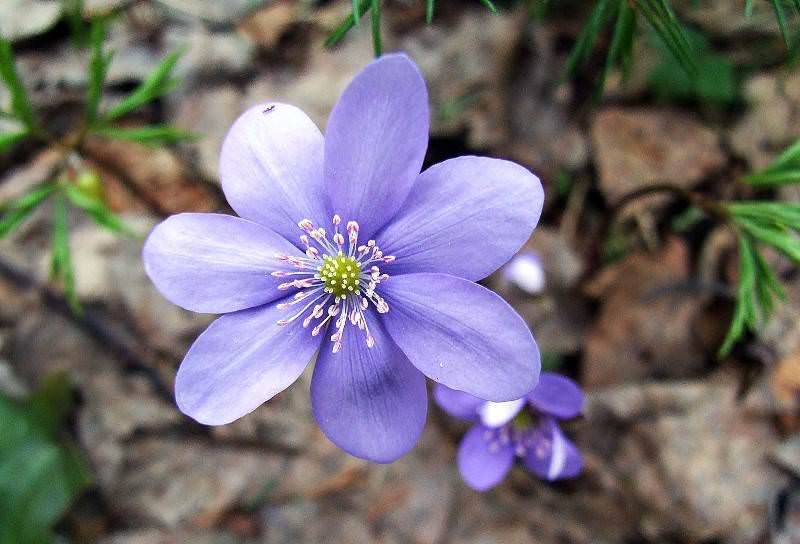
338,279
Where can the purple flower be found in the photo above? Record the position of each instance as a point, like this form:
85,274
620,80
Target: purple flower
343,248
504,431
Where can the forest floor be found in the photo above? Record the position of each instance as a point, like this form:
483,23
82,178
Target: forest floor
680,446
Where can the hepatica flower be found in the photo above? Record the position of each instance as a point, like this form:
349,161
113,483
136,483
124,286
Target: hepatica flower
343,249
504,431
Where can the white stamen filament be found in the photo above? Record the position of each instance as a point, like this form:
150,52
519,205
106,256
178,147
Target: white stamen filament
341,282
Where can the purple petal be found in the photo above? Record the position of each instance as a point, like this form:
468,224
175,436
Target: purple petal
371,402
457,403
241,361
462,335
551,455
215,263
375,142
271,168
465,217
557,396
482,460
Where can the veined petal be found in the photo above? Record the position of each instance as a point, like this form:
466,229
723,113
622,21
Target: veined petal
464,217
271,168
371,402
215,263
482,460
375,142
497,414
242,360
457,403
551,455
462,335
557,395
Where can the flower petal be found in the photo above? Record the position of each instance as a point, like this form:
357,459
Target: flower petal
553,456
557,396
465,217
375,142
371,402
242,360
483,462
462,335
271,168
457,403
497,414
214,263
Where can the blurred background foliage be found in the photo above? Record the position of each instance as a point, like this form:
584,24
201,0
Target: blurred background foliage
41,470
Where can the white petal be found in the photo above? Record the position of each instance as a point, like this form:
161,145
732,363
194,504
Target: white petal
496,414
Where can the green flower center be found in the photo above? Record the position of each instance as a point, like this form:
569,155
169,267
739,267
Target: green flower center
522,421
340,274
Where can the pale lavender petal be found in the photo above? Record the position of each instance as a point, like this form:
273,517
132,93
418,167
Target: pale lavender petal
551,455
465,217
271,168
557,396
462,335
375,142
525,271
482,460
241,361
497,414
215,263
457,403
371,402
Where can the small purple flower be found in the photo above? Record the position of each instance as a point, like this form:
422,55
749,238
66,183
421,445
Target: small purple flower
503,432
343,248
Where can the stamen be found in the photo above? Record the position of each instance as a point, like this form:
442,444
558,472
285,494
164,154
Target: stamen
338,284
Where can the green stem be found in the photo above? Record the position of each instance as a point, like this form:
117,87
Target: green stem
376,27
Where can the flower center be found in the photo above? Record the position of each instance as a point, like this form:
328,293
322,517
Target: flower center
341,275
522,421
337,280
520,432
521,439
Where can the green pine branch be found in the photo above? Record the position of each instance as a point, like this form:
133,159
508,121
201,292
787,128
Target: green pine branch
760,225
361,7
622,16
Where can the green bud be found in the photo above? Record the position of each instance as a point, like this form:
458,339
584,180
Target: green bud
90,184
